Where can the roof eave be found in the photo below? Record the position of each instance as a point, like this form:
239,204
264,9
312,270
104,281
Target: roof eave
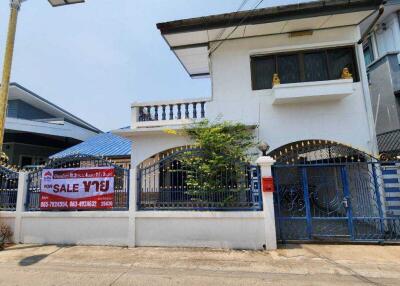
269,15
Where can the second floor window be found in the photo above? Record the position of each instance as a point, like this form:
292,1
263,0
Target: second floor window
304,66
368,52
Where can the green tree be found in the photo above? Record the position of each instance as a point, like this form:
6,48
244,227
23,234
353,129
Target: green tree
218,162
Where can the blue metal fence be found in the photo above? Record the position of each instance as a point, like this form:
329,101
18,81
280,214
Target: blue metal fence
121,179
333,202
8,189
163,185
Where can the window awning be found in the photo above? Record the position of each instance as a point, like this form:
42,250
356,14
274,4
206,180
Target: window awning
189,39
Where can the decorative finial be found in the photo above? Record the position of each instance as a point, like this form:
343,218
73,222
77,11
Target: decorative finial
263,147
3,158
276,80
346,74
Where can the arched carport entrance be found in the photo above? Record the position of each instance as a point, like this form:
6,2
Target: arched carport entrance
329,191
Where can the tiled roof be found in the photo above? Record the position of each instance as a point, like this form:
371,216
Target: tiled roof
105,144
389,142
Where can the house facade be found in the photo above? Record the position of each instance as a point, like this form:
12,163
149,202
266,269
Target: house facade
307,52
36,128
296,75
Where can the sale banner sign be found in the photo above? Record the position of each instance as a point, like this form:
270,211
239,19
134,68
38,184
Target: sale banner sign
77,189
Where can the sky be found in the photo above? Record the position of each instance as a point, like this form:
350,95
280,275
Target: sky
95,59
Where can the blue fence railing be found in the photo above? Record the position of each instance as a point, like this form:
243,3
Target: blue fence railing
8,189
169,184
347,202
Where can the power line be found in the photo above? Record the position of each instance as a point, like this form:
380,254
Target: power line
237,26
222,31
242,5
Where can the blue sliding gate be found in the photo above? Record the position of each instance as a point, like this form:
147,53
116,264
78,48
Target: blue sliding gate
333,202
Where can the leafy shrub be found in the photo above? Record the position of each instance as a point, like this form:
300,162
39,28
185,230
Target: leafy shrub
5,234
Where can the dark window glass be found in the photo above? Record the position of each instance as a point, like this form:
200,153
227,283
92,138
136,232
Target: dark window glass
338,60
315,67
398,103
318,65
368,52
263,69
288,68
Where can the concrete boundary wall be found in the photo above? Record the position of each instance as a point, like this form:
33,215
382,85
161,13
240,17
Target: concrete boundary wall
239,230
8,218
83,228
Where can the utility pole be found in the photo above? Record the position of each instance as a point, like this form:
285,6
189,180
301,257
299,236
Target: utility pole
5,81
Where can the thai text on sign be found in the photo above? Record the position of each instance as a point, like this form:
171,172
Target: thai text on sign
80,188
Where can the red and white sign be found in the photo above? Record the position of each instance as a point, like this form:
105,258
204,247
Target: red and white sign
83,188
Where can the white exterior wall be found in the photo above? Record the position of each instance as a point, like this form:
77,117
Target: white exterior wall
8,218
147,145
239,230
345,120
81,228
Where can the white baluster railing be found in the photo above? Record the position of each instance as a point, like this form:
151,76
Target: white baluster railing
161,113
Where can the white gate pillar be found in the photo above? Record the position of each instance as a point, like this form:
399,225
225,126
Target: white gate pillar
265,163
132,207
20,207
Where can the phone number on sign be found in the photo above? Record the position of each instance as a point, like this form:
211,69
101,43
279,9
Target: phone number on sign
75,204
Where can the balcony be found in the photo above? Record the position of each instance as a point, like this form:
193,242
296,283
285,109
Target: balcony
168,113
306,92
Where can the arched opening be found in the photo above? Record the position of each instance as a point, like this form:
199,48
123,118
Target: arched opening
173,180
317,151
326,191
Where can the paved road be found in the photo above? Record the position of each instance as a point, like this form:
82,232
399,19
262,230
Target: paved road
290,265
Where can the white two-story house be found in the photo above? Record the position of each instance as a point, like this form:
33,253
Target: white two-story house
307,45
294,74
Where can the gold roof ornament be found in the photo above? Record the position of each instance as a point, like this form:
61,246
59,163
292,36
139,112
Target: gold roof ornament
3,158
346,74
276,80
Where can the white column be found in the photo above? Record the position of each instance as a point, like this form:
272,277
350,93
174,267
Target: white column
20,208
265,163
134,116
132,207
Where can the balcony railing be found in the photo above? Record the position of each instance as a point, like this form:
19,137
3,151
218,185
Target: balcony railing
148,114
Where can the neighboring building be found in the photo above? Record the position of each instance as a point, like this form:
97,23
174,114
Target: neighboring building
318,121
36,128
382,57
107,145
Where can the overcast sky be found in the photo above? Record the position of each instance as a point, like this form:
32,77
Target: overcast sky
95,59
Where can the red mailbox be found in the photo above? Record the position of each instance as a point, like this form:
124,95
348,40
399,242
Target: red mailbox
268,185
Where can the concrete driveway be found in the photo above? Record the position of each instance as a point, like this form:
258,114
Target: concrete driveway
290,265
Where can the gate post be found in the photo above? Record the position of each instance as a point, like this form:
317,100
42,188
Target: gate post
265,163
20,207
132,207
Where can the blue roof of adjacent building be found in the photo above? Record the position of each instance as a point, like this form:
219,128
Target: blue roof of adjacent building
104,144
